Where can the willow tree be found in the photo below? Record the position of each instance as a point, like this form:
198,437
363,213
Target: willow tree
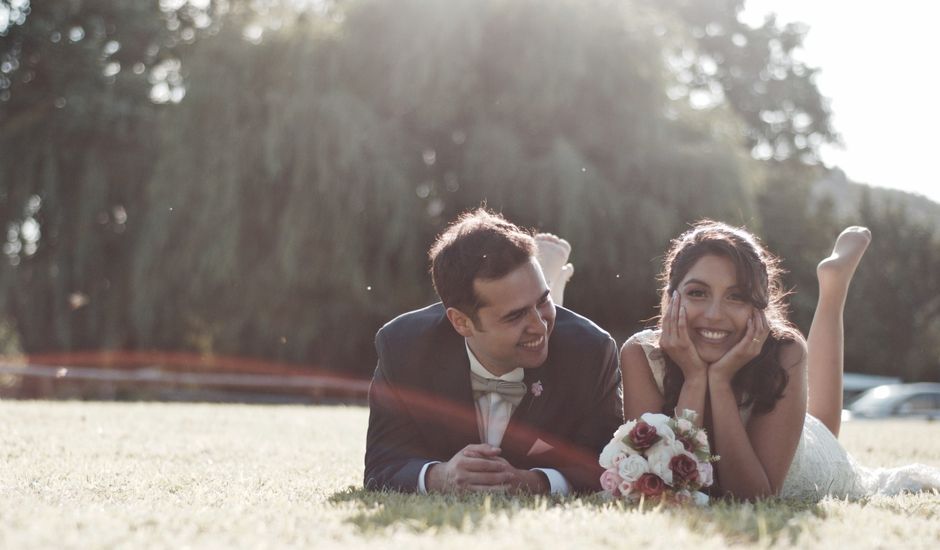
279,198
309,166
76,150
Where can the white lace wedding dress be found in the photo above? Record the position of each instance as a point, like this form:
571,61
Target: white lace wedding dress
821,466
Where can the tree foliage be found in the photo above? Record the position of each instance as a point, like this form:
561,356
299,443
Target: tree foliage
719,58
250,178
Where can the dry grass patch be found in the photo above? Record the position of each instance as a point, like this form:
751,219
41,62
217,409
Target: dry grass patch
95,475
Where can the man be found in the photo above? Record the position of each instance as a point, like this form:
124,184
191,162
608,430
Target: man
494,388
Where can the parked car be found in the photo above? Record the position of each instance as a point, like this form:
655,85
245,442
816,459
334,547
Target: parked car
855,384
919,400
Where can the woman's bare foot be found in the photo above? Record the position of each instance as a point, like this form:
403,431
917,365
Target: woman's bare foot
553,252
835,272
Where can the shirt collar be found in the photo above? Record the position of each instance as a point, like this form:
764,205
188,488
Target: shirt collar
515,375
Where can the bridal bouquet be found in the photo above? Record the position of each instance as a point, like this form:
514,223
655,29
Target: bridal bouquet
658,457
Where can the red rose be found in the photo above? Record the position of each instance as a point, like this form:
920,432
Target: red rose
643,436
688,444
650,485
684,469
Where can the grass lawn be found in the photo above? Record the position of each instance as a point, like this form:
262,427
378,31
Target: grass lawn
106,475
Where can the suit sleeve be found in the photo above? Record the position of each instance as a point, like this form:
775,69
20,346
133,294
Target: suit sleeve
393,445
602,417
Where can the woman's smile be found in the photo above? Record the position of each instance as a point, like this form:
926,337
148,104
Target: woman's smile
715,307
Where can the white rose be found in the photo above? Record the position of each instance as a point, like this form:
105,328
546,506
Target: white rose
624,430
684,425
659,456
667,434
702,438
655,419
632,467
613,453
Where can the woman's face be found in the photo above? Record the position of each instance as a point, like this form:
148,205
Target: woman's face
717,309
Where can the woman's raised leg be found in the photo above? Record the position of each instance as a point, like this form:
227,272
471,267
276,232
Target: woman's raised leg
826,342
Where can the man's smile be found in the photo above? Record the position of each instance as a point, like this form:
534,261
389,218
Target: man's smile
533,344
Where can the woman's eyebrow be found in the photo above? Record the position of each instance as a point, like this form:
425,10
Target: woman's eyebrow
703,283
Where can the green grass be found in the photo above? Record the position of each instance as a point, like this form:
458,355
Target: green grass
105,475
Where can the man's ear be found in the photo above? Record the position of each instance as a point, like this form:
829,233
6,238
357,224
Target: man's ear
461,322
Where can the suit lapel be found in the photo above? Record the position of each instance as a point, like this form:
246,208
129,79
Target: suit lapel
452,384
531,413
532,404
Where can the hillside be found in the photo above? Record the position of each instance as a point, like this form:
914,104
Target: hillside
848,194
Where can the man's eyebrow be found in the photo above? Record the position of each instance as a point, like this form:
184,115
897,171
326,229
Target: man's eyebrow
516,312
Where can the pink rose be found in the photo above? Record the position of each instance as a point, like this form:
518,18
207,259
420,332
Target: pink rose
650,485
705,474
610,482
684,469
643,436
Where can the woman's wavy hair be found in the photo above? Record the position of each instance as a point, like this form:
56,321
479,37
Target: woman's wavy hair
761,382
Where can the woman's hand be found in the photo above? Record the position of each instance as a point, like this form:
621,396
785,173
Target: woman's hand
744,351
675,341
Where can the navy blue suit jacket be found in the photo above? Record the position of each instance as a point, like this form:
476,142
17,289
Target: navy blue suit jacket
422,409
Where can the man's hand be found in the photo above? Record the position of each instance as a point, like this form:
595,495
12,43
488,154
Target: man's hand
480,468
525,481
473,468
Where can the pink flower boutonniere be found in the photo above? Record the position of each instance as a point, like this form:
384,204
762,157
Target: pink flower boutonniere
536,388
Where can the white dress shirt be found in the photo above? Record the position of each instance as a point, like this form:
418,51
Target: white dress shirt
493,414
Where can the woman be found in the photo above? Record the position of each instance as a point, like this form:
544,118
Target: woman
770,401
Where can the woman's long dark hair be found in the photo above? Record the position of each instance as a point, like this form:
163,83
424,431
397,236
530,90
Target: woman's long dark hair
761,382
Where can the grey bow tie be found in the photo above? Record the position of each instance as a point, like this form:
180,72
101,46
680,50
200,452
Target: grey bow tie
510,391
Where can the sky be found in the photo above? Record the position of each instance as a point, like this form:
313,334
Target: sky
878,66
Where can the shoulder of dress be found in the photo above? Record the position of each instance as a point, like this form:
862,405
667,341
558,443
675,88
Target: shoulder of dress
649,340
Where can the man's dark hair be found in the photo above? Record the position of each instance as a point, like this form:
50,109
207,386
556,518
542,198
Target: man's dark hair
479,244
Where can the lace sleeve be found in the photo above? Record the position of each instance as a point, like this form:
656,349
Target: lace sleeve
649,340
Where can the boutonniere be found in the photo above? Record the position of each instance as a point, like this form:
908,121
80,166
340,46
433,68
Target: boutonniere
536,388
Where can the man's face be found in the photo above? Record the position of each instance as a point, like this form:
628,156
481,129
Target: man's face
515,321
